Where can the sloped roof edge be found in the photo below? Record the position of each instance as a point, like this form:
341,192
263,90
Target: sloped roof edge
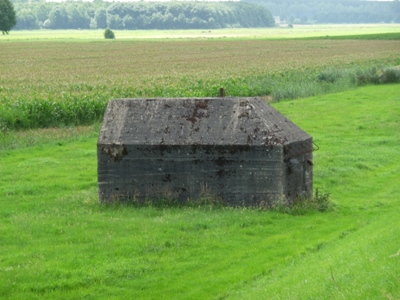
197,121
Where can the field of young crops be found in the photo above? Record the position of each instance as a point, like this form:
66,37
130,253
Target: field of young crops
62,82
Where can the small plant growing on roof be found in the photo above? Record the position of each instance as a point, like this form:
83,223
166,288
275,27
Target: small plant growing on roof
109,34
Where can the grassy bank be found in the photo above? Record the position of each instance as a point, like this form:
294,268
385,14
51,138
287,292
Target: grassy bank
56,241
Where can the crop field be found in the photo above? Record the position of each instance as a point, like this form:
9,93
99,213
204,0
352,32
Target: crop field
59,82
58,242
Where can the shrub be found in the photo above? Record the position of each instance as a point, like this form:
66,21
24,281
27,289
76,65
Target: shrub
109,34
330,75
366,76
389,75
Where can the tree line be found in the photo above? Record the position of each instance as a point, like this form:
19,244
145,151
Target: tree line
140,15
333,11
7,16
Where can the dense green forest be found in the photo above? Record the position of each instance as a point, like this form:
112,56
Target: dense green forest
333,11
140,15
199,15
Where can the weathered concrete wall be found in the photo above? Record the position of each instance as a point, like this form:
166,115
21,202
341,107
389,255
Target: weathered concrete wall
238,175
239,149
299,169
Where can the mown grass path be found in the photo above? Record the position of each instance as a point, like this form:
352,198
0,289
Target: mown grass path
56,241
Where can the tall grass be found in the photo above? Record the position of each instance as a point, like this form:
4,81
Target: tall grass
41,113
88,106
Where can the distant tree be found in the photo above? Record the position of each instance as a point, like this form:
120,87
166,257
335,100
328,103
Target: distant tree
109,34
26,20
395,5
114,22
58,17
333,11
100,16
93,23
8,17
47,24
76,19
168,21
128,22
42,12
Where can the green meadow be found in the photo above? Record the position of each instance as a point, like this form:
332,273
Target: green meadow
280,32
58,242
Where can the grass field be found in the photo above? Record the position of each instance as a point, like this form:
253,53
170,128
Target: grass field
299,31
58,242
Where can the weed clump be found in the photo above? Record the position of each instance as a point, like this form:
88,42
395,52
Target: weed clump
206,200
389,75
304,204
376,75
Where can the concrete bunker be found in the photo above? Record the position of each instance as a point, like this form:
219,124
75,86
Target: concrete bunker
240,150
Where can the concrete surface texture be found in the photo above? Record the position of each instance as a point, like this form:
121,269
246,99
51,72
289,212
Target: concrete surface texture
238,150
